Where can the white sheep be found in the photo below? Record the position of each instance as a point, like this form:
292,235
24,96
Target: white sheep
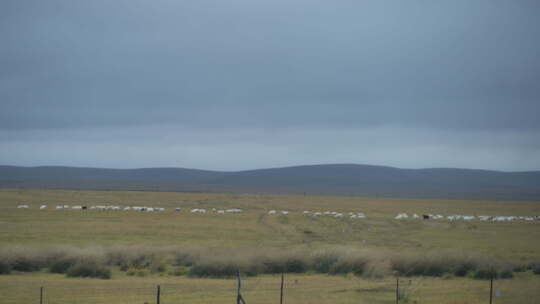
233,210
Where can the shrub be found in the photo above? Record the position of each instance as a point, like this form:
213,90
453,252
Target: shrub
295,265
158,267
535,267
26,264
61,265
462,269
5,268
377,269
506,274
124,267
213,270
348,264
141,273
179,271
88,270
184,259
131,272
323,262
485,274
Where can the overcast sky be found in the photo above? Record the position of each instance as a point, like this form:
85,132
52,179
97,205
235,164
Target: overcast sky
243,84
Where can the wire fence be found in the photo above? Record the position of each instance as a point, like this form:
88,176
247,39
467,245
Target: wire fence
282,289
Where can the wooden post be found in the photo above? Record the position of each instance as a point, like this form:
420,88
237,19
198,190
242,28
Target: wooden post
239,298
281,292
491,290
158,294
397,289
41,295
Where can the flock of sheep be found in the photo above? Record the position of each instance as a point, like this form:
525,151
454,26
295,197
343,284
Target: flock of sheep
352,215
484,218
134,208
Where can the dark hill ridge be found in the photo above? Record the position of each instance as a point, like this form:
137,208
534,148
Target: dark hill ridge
334,179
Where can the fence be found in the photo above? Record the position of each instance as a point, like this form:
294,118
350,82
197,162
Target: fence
286,289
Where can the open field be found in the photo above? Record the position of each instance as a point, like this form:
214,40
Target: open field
253,229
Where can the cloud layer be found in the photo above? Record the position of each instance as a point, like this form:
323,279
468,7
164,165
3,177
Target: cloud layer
246,84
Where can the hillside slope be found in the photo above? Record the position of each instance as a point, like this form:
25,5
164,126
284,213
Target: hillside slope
333,179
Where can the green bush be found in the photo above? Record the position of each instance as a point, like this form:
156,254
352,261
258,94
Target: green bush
26,264
506,274
485,274
295,265
322,263
535,267
184,259
463,269
158,267
131,272
179,271
213,270
348,265
61,265
88,270
5,268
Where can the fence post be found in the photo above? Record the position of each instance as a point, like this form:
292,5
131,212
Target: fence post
281,290
397,289
239,298
491,290
41,295
158,294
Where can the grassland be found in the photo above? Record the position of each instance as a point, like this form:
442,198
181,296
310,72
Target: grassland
34,229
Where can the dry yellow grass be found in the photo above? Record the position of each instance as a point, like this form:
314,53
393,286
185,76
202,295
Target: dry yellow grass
307,289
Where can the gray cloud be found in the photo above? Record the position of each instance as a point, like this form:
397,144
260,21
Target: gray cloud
450,69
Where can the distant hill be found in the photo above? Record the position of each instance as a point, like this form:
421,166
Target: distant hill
333,179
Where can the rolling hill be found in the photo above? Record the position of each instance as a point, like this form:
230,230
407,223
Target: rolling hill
331,179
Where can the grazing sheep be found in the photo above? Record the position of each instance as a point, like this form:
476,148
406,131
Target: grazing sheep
401,216
284,212
272,212
198,211
233,210
221,211
317,214
415,216
22,207
43,207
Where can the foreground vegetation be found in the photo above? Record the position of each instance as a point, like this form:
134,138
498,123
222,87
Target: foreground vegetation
223,263
353,260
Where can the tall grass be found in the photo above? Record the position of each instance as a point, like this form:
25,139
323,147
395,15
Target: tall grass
225,262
